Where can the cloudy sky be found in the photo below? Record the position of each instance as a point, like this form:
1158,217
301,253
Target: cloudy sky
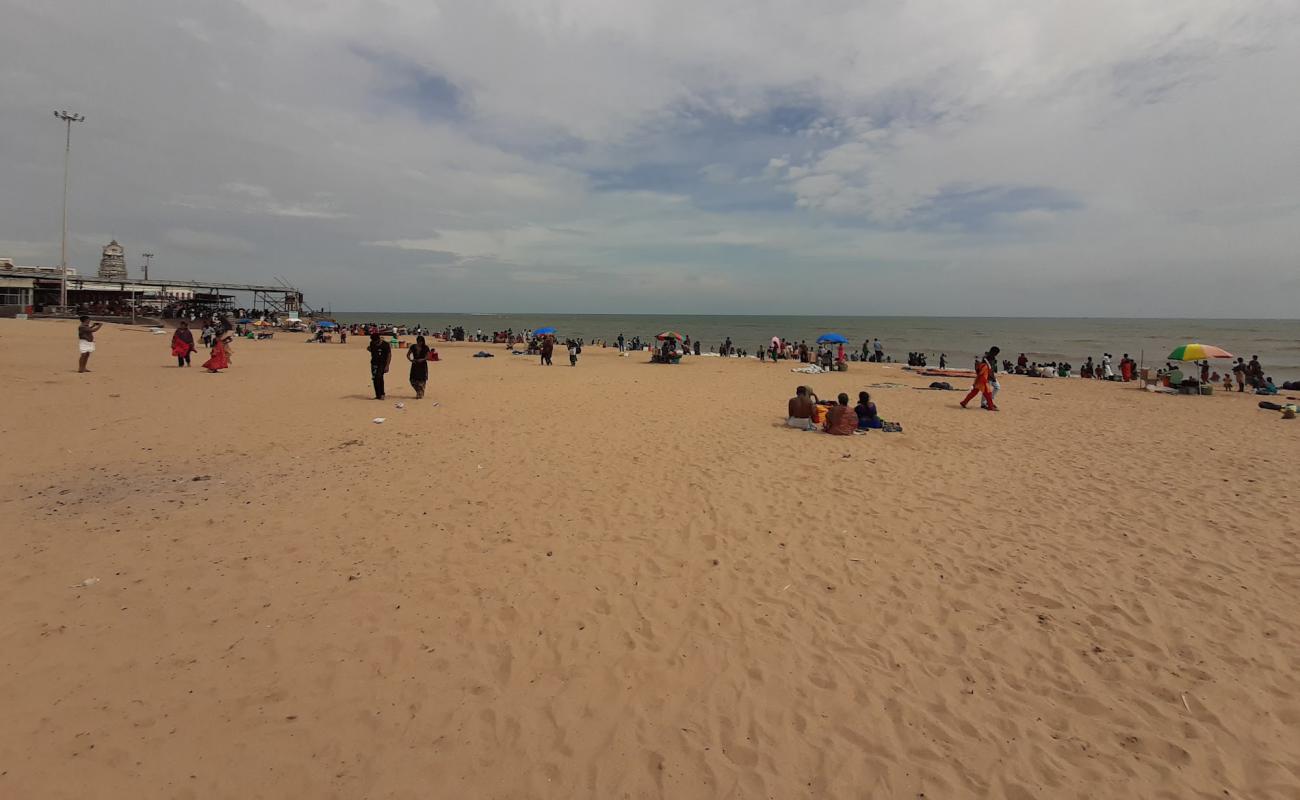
979,157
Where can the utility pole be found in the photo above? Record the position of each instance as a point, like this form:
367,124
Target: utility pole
67,159
146,257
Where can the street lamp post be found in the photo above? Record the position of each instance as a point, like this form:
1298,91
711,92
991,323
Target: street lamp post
146,257
67,159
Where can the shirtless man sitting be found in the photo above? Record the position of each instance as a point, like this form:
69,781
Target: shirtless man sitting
801,409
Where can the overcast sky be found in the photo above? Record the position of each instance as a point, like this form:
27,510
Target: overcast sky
970,157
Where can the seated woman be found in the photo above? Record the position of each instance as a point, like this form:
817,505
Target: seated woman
866,411
841,421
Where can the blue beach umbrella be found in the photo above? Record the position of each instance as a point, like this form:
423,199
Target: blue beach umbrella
545,331
244,321
833,338
326,324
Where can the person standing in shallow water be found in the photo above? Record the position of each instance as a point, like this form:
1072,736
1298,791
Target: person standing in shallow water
418,355
381,356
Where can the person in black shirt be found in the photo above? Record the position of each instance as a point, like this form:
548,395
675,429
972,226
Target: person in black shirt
381,355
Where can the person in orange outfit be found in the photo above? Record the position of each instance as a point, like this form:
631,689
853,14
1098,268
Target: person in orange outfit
981,386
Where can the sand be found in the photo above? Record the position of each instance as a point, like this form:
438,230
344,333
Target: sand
626,580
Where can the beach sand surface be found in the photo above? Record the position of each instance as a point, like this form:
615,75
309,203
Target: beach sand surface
629,580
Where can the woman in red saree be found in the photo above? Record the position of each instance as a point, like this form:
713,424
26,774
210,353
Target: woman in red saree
219,359
182,344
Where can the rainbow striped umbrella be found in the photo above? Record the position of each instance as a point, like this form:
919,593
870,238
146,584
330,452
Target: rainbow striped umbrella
1198,352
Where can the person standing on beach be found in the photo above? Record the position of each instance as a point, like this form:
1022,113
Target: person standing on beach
418,355
1255,373
548,350
183,344
1239,370
943,361
574,349
981,386
879,350
86,341
381,356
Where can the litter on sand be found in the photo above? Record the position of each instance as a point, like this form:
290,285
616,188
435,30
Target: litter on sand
378,420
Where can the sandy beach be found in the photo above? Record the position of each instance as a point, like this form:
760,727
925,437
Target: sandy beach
629,580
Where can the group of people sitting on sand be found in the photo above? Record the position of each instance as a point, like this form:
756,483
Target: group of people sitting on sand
807,413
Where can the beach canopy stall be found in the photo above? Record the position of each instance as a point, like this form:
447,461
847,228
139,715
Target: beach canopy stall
666,335
545,332
1198,352
833,338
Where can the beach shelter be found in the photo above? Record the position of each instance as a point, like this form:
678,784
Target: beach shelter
545,332
1198,352
670,335
833,338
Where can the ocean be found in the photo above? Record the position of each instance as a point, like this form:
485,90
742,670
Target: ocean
1276,342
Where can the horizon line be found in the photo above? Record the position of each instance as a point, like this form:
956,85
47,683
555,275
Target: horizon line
1198,318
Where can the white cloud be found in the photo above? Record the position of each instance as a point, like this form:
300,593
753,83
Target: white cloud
757,150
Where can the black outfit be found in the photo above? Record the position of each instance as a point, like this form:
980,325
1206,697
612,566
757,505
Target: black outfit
419,366
379,355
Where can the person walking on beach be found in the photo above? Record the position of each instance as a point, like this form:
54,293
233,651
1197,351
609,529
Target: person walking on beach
943,361
418,355
991,358
183,344
548,350
86,341
219,356
381,356
981,386
574,349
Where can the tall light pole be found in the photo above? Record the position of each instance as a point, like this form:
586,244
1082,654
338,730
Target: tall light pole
146,257
67,159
